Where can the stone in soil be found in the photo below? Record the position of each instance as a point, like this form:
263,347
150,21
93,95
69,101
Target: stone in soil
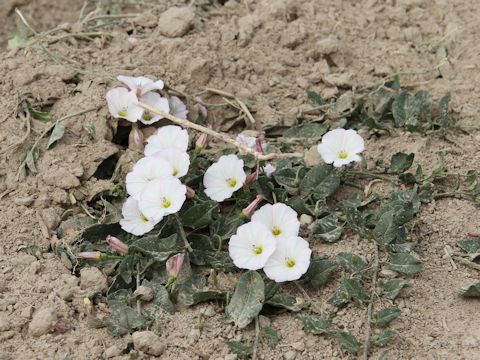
42,321
92,278
148,342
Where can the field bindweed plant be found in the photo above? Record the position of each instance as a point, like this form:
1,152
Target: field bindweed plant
185,215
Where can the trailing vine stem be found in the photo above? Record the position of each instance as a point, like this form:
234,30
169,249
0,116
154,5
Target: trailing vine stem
370,305
225,138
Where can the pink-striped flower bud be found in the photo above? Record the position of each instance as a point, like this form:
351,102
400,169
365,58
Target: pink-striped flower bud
190,193
59,327
251,179
89,255
250,209
136,140
259,146
201,107
117,245
201,141
174,264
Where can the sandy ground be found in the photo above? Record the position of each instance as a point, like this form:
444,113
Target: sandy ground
269,53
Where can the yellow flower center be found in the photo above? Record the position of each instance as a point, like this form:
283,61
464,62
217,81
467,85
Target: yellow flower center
122,113
175,172
290,263
147,117
276,231
231,182
166,203
343,154
143,218
257,250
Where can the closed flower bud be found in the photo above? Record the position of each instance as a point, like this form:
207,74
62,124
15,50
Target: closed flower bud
174,264
201,107
190,193
250,209
251,178
117,244
259,146
136,140
89,255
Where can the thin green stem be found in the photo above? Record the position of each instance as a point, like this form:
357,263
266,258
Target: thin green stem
257,335
181,232
376,263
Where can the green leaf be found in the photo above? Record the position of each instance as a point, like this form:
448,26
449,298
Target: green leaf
401,162
199,215
405,263
315,99
355,289
287,177
99,232
315,324
392,288
271,336
241,349
348,342
31,158
284,302
328,228
446,120
385,316
123,318
349,289
191,292
386,229
39,115
321,181
381,339
307,130
162,298
471,291
299,205
247,300
320,272
470,246
90,129
351,262
126,269
57,134
158,249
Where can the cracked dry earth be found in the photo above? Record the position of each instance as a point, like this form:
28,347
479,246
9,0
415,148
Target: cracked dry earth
269,54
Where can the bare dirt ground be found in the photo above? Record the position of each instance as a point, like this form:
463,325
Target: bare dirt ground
269,53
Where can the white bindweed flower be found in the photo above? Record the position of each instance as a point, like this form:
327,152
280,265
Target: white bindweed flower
251,246
162,197
341,147
156,101
224,177
279,218
178,160
290,260
170,136
178,108
269,169
134,222
140,85
122,104
144,171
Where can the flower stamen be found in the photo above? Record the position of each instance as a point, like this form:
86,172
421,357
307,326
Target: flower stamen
231,182
290,263
258,250
276,231
166,203
343,154
122,113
